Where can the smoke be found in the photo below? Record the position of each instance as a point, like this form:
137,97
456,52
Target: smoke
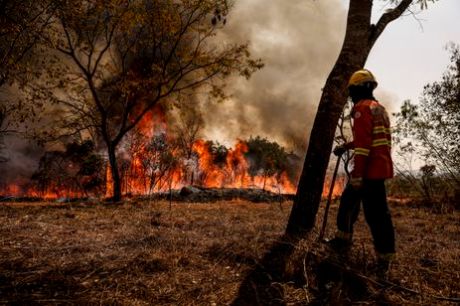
387,98
19,156
299,41
21,159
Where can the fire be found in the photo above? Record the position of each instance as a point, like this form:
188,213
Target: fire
152,121
145,173
109,182
50,193
231,174
151,163
337,189
235,172
202,171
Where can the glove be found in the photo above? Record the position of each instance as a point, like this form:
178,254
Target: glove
339,150
356,182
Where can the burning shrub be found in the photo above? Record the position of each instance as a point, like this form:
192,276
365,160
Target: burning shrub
149,165
266,158
72,173
219,152
160,162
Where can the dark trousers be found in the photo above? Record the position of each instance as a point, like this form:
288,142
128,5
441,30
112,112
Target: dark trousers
375,206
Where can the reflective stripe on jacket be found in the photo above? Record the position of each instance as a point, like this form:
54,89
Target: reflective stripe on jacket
371,141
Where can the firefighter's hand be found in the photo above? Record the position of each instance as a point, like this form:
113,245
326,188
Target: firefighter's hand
356,182
339,150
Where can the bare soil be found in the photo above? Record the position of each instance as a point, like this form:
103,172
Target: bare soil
154,253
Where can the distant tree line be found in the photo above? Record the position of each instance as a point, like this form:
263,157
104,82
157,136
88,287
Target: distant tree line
430,130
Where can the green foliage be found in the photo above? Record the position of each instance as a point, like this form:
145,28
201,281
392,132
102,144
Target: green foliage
266,157
431,128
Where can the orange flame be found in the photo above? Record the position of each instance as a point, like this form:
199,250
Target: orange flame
52,192
109,182
143,175
337,189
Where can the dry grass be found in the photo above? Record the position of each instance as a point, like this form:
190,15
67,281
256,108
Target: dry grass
143,253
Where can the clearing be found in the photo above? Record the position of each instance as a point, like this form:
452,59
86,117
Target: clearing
154,253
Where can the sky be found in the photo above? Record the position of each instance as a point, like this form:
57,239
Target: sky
411,53
299,41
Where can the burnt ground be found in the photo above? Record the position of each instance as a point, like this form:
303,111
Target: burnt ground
151,253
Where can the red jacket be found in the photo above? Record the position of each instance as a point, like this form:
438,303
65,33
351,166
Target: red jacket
371,141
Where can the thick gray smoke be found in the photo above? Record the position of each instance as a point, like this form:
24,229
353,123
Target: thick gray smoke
19,157
298,41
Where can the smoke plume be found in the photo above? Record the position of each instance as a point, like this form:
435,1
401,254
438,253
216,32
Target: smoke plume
298,41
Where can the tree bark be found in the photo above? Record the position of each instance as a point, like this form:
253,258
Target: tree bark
116,182
359,39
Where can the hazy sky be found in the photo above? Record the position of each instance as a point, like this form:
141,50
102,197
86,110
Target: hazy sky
411,53
299,41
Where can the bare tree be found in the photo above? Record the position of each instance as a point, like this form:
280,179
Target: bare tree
344,135
161,163
188,127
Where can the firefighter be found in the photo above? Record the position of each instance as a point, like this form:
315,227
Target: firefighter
372,166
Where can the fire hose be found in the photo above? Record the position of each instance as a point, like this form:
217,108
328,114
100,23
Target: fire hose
329,199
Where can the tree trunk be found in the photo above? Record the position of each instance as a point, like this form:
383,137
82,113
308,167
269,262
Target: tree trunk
359,39
116,182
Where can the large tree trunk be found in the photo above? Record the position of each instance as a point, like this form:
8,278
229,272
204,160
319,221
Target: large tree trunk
116,182
360,36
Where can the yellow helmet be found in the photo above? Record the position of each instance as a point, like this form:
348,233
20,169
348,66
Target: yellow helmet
362,76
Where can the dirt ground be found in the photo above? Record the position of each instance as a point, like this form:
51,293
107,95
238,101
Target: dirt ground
151,253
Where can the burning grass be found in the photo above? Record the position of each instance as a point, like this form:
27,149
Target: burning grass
142,253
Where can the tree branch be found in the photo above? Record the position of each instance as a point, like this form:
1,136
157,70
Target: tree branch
385,19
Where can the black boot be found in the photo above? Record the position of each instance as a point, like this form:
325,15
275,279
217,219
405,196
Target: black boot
339,245
381,269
